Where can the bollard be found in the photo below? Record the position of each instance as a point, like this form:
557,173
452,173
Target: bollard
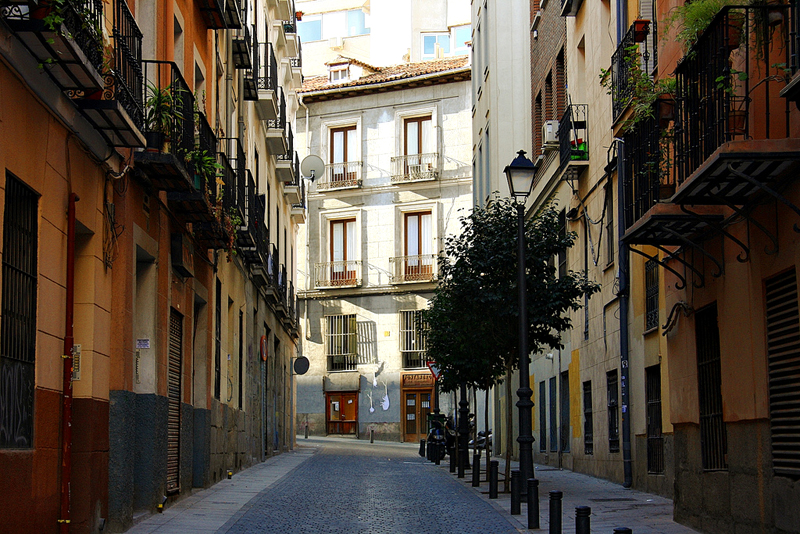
476,470
582,524
494,467
306,430
623,530
555,511
533,503
422,448
372,435
453,462
516,490
461,460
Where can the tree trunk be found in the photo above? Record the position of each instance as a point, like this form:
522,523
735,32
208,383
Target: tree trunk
488,447
509,431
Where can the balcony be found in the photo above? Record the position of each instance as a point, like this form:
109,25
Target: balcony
290,317
235,179
291,191
258,254
213,13
246,234
169,128
733,146
631,54
117,111
234,14
297,66
284,163
265,275
345,175
573,142
283,287
283,8
71,52
278,37
336,274
298,213
415,168
242,49
792,90
290,34
410,269
276,136
570,8
266,77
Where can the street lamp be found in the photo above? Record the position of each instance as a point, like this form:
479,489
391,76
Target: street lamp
520,183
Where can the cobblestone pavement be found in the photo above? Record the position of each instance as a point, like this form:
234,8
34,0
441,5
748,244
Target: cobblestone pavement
352,487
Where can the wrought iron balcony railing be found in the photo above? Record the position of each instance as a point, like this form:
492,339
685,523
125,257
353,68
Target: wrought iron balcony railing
236,189
302,202
728,83
631,54
420,268
280,121
266,68
234,14
573,133
342,362
337,274
345,175
290,154
213,13
290,26
242,49
415,167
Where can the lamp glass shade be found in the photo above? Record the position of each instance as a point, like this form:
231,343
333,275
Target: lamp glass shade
520,175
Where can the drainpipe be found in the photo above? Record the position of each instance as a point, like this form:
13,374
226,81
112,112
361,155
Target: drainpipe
623,317
69,341
308,244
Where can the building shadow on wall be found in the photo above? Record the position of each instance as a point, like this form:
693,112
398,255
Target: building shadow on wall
367,342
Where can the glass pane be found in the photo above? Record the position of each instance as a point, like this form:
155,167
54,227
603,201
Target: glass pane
426,246
351,241
462,35
351,145
338,244
355,22
444,44
310,30
412,138
338,147
428,44
412,235
427,138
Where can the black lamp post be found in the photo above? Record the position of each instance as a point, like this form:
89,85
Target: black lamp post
520,183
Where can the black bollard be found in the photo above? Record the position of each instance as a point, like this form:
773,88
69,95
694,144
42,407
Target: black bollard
422,448
476,470
533,503
582,524
306,430
453,462
623,530
555,511
372,435
494,467
516,490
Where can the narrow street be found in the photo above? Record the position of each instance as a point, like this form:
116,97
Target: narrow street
338,485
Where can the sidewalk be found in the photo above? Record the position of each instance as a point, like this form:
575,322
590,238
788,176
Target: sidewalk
612,505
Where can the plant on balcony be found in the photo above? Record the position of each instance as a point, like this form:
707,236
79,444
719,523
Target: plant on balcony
163,106
205,167
692,18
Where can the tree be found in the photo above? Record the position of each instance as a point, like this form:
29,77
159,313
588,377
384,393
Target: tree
473,318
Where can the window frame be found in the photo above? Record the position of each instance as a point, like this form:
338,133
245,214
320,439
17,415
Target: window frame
612,404
348,361
423,56
410,322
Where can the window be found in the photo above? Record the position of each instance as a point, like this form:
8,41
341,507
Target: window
418,251
435,45
553,414
310,28
343,152
461,36
651,295
588,427
542,417
412,339
564,396
357,23
783,352
343,252
609,223
339,73
713,434
340,341
655,442
612,384
18,323
417,136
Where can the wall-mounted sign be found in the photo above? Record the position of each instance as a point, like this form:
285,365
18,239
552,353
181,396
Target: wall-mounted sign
413,380
143,343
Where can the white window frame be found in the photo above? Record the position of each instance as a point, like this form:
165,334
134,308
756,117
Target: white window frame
400,224
422,55
400,117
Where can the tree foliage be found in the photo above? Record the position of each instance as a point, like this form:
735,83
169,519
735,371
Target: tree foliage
473,318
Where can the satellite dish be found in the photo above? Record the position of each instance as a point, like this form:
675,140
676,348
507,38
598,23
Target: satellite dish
312,167
301,365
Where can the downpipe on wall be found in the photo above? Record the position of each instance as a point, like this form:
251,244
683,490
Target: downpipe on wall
623,318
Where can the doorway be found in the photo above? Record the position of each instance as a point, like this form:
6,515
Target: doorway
342,413
416,407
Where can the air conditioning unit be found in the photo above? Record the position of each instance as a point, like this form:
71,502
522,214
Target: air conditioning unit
550,133
335,43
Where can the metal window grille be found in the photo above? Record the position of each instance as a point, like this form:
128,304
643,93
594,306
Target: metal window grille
413,329
783,350
612,389
651,295
341,342
174,358
713,434
610,224
564,396
218,343
588,427
542,417
18,323
655,441
553,413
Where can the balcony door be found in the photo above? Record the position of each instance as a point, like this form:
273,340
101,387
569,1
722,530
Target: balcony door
418,138
343,153
343,252
418,246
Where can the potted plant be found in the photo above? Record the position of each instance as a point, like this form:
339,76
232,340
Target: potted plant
692,18
162,107
205,167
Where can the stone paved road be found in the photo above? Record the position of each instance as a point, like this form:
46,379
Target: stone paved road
351,487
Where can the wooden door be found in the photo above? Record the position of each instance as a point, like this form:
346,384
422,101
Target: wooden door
343,413
416,407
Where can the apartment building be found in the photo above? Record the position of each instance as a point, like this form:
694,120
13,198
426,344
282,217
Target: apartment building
395,142
151,200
